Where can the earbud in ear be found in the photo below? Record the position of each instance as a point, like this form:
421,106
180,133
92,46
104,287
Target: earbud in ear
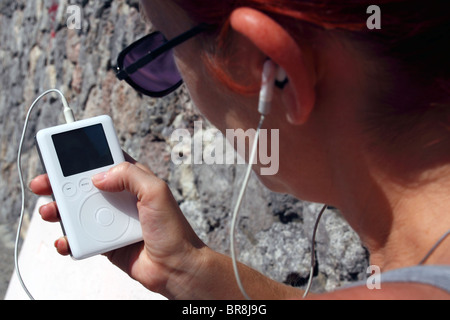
268,81
281,79
272,76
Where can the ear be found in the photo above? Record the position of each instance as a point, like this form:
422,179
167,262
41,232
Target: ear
278,45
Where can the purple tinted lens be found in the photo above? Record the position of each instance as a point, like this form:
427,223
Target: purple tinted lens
160,74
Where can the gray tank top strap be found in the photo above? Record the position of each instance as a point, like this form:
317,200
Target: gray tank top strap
434,275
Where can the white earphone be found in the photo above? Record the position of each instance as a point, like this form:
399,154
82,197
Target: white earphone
272,76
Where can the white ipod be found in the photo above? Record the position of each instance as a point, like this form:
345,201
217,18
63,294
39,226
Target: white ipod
94,221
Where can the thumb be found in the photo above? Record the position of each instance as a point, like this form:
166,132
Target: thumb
132,178
159,212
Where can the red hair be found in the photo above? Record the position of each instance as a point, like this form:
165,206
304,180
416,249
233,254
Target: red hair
413,42
411,29
217,13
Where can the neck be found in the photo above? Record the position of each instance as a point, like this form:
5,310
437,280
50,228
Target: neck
400,224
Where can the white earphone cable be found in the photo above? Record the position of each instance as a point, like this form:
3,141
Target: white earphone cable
313,256
271,72
69,118
238,206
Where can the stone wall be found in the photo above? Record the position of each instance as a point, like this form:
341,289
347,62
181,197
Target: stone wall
39,52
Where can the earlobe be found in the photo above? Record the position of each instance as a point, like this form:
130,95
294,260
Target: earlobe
298,108
293,107
278,45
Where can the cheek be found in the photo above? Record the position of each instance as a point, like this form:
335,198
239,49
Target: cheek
207,101
205,92
224,108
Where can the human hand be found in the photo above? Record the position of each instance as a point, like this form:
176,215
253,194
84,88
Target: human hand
170,252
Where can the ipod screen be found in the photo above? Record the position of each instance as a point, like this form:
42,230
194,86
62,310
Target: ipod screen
82,150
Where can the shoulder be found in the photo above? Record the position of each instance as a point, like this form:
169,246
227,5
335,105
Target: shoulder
388,291
417,282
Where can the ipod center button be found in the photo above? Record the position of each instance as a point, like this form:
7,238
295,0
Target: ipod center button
69,189
104,217
85,185
101,220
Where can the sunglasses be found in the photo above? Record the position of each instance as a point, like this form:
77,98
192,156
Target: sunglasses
148,65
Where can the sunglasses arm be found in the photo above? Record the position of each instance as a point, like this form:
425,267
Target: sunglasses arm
125,73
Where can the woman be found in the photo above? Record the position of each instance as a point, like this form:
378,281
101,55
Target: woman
364,120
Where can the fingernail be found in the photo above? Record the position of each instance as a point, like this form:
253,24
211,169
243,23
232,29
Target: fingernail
29,186
42,208
99,177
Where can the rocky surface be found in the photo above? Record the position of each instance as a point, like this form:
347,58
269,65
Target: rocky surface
39,52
